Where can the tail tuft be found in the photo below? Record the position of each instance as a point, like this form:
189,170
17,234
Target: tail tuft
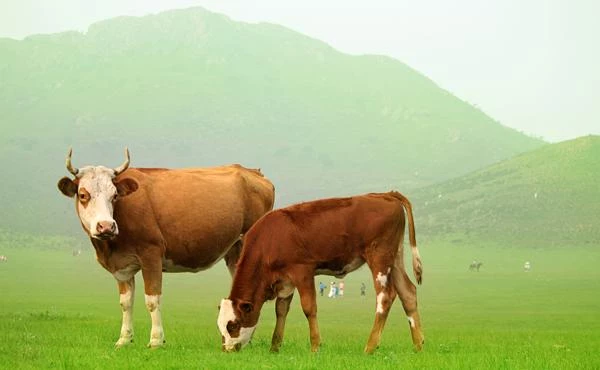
418,268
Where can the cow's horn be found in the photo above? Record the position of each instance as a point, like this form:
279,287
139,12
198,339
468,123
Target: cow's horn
125,164
74,171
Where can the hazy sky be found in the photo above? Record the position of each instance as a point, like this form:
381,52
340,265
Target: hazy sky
533,65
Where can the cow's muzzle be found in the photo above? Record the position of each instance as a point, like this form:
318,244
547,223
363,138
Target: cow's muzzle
235,348
106,230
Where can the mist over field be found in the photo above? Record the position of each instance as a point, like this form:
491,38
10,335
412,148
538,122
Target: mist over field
192,88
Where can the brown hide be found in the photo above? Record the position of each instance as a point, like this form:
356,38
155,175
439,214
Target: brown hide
289,246
325,235
189,217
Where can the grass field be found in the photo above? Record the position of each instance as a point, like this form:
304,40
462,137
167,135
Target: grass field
60,311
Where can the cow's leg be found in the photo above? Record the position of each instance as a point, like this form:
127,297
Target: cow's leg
232,256
385,294
282,307
152,274
308,300
126,297
407,291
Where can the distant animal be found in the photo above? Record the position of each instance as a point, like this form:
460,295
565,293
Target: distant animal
3,258
286,248
76,252
161,220
474,266
527,266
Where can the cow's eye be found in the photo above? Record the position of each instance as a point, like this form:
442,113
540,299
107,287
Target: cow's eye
84,197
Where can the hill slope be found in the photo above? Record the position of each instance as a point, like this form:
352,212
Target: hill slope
548,196
192,88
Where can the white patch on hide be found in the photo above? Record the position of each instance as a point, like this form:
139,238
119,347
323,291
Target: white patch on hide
126,273
286,290
380,297
382,279
227,314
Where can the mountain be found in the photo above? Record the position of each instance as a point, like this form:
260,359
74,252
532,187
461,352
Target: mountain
545,197
192,88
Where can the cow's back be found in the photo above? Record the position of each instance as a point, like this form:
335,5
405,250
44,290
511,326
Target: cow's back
259,193
354,217
318,230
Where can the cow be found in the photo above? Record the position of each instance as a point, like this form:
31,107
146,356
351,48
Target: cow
164,220
286,248
474,266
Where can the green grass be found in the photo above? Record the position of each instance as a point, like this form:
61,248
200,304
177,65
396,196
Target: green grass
60,311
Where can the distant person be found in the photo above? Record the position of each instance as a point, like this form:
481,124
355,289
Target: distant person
332,290
321,288
527,266
340,290
363,289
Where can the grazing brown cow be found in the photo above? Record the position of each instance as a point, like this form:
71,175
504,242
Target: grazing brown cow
286,248
161,220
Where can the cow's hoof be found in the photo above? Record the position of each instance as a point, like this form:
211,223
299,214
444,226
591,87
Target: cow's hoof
156,343
369,350
122,342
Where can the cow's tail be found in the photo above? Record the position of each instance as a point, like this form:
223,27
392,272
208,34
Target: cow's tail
416,258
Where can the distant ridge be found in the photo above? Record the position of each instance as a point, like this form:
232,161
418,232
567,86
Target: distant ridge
192,88
550,196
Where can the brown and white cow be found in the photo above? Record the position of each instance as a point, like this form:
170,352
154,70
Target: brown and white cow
162,220
286,248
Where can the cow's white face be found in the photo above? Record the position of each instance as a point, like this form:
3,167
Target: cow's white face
95,192
234,336
96,195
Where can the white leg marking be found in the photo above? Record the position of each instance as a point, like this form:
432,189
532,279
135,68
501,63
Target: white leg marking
411,321
380,297
126,301
157,336
382,279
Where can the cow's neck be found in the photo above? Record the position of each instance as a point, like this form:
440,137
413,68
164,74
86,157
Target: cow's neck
252,282
103,252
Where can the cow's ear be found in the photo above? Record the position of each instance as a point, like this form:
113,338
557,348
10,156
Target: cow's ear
245,307
67,186
126,186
